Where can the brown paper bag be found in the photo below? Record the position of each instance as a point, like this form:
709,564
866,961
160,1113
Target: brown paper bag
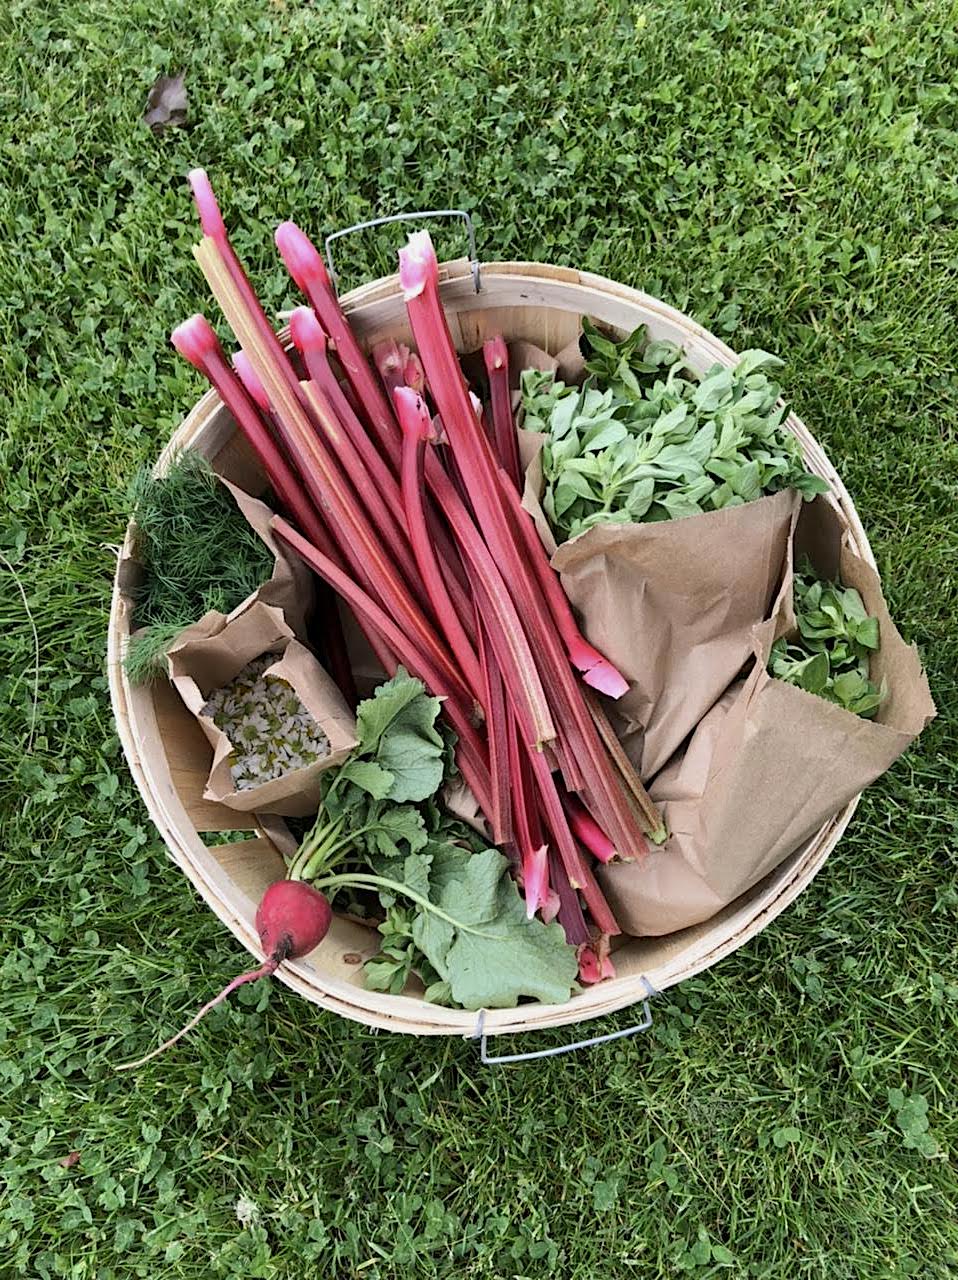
211,653
290,586
769,763
671,604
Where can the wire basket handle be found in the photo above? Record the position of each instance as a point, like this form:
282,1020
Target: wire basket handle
408,217
489,1060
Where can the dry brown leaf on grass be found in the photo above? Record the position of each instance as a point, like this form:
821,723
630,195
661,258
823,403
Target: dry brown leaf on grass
166,103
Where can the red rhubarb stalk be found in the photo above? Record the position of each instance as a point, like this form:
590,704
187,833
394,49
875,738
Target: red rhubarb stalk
496,357
588,832
308,270
417,428
214,228
570,909
322,476
497,733
526,826
418,273
651,816
596,670
580,876
471,754
247,375
508,639
384,521
196,341
413,373
388,361
310,340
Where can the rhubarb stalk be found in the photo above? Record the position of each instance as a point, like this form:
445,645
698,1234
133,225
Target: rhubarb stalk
417,428
321,476
310,340
496,357
304,264
471,754
418,273
596,669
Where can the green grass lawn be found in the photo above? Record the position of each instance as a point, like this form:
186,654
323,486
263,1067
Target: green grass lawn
783,171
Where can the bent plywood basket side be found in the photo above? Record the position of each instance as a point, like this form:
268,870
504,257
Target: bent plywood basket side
541,304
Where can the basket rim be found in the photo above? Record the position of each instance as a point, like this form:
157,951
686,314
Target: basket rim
408,1013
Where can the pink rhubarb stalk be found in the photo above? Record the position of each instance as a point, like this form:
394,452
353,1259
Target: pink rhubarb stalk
413,373
308,270
310,340
418,274
471,754
390,528
570,908
321,474
214,229
580,876
388,361
247,375
595,963
196,341
527,828
496,357
417,429
588,832
497,733
596,670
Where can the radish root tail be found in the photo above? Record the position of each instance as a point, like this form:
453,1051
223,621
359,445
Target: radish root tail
264,971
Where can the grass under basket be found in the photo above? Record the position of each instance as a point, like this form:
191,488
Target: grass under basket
784,172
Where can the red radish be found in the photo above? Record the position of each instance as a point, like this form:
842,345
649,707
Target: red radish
292,919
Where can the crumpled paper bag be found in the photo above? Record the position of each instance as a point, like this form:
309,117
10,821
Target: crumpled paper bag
769,764
671,604
290,586
211,653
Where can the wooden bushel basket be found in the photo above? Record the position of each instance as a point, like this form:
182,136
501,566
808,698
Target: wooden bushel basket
169,757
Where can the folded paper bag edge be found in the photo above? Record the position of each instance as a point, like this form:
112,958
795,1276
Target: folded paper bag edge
768,730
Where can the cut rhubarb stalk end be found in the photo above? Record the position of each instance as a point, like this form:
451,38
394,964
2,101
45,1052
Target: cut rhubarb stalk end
570,909
196,341
211,220
418,264
588,832
414,375
495,354
597,671
303,260
250,380
389,364
550,908
535,879
306,331
595,963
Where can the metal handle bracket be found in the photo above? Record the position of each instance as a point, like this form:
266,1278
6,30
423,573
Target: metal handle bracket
408,217
479,1033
